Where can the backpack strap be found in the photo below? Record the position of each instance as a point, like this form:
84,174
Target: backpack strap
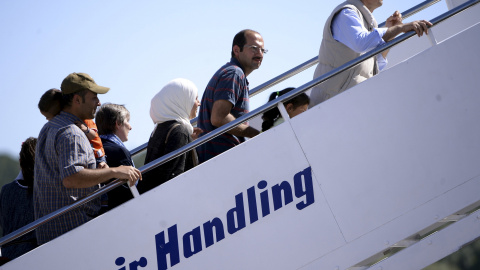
193,153
170,131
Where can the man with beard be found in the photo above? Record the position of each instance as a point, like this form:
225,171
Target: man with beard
65,166
226,95
350,31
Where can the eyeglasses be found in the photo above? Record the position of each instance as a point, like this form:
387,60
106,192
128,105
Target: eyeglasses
255,49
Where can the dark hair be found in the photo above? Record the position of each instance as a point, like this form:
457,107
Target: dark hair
270,116
49,99
27,161
108,115
240,39
67,98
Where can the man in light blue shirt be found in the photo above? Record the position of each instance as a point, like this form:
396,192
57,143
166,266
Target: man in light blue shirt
350,31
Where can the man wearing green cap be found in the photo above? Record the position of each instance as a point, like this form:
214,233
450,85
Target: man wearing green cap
65,165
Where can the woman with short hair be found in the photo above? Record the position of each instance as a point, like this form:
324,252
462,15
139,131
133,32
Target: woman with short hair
113,122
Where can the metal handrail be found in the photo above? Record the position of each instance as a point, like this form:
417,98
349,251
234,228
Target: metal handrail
161,160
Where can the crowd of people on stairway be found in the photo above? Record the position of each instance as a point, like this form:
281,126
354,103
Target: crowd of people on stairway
80,148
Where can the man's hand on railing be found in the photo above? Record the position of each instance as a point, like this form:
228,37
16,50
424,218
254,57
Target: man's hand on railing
128,173
419,27
395,19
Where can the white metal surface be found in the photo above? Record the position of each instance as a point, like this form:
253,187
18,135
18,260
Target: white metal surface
425,136
441,32
434,247
454,3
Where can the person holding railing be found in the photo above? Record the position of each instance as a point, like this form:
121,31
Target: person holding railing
113,122
350,31
226,95
171,110
65,165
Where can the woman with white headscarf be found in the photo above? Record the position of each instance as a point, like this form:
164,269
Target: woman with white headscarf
171,110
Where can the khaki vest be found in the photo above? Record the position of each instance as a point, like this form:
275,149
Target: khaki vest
334,54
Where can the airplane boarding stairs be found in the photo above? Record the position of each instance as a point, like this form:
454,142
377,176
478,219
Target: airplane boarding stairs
383,176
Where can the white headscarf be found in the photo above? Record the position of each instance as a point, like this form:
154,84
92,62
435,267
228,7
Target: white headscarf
174,102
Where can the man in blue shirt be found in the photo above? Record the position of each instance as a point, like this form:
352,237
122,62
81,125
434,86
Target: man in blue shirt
65,165
226,95
350,31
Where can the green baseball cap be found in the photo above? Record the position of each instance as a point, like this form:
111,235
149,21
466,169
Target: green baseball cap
75,82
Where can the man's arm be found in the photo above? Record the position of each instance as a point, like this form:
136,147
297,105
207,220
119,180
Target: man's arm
348,29
221,115
90,177
395,19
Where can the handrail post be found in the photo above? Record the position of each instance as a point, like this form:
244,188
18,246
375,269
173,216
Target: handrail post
283,112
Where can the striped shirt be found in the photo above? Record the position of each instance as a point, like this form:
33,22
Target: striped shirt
62,150
229,83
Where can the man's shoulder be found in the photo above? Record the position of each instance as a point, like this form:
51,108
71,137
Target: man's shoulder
352,9
66,132
57,127
231,69
61,121
69,130
346,10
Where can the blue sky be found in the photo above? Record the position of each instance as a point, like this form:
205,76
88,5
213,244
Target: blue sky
136,47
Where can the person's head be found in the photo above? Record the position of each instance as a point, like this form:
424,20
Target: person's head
248,49
372,4
27,160
178,100
50,103
294,107
79,92
113,119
